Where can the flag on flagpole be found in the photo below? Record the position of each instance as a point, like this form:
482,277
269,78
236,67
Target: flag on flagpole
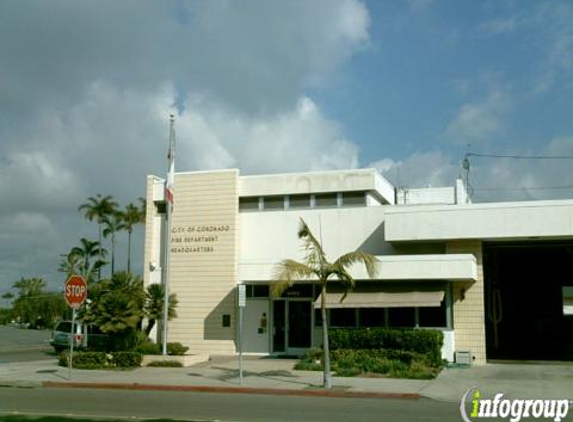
169,184
171,157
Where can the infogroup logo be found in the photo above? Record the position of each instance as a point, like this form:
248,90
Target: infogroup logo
474,407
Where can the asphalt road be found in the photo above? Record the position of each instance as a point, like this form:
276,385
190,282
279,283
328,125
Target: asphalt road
221,407
23,345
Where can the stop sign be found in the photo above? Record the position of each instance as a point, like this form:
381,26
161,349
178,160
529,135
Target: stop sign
75,291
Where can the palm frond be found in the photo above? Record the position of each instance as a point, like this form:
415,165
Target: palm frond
287,272
349,259
315,256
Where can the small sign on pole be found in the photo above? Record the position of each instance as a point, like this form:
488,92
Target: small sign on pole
75,293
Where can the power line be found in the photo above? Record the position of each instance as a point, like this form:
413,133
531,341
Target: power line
523,157
526,188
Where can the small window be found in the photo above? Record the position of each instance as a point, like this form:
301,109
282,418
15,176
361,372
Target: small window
353,198
299,201
326,200
317,318
274,202
249,204
345,317
372,317
433,316
402,317
260,290
161,207
567,292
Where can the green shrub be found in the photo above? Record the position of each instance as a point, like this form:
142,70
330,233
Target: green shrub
176,349
101,360
426,342
148,348
98,343
165,364
85,360
308,366
126,359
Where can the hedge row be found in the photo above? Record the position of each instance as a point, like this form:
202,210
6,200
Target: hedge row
427,342
102,360
173,348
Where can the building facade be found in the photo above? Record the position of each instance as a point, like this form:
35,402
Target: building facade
495,278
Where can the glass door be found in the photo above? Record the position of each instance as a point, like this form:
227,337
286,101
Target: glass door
299,325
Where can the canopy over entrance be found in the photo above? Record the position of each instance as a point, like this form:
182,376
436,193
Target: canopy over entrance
384,298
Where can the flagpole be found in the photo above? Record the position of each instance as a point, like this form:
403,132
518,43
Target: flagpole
168,215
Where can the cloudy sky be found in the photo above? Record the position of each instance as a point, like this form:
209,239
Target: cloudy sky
86,88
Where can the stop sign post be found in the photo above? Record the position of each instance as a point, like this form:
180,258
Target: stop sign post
75,293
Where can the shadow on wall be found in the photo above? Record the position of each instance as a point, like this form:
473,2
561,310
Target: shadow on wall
375,243
220,323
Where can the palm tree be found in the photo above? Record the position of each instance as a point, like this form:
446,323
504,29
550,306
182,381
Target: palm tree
131,216
97,208
30,287
113,223
118,308
154,297
316,266
69,264
84,255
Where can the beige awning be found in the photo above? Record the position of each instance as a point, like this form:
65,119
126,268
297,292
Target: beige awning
383,299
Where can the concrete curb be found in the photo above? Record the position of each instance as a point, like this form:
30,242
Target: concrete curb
234,390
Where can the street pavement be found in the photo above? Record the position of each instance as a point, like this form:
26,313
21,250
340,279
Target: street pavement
277,376
266,375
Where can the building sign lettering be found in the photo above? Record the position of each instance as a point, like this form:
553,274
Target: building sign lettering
197,239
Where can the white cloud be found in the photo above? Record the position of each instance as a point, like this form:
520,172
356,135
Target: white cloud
494,179
85,94
421,169
480,121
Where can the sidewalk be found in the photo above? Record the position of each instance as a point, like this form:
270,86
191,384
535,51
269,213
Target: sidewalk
277,376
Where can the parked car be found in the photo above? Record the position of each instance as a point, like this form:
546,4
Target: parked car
60,338
84,335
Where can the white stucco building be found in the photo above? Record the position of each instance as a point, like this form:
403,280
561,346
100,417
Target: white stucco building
495,278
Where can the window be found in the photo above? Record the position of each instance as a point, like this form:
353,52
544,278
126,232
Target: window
249,204
353,198
434,317
402,317
274,202
161,207
344,317
257,290
326,200
260,291
299,201
567,292
372,317
317,318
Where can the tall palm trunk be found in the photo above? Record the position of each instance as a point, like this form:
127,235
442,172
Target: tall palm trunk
327,376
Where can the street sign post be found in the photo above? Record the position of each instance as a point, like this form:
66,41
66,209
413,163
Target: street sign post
242,303
75,293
